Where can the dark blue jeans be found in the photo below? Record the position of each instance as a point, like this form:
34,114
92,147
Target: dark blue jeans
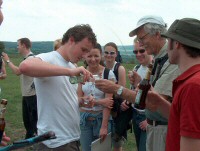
140,135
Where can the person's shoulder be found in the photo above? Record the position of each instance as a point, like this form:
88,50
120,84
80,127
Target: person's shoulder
121,68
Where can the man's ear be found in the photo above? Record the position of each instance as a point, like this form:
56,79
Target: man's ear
178,44
71,39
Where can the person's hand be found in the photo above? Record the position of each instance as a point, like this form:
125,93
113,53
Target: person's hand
143,125
152,100
124,106
106,102
103,133
5,56
86,101
5,140
134,78
106,86
81,70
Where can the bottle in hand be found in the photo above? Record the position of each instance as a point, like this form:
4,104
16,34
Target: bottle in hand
2,114
76,79
143,89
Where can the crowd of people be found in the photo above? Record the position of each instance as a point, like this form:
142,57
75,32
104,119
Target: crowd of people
82,112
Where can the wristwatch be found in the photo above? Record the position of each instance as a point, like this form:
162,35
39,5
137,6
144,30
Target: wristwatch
7,61
120,90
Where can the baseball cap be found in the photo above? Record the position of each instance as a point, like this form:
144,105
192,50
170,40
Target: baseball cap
147,19
185,31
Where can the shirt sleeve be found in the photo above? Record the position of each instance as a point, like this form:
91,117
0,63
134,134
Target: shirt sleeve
190,111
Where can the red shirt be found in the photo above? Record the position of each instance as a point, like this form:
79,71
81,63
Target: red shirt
184,117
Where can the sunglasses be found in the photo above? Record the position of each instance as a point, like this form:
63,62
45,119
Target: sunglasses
109,53
136,51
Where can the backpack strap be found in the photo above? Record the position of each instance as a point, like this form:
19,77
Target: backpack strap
116,70
137,67
29,55
106,73
158,62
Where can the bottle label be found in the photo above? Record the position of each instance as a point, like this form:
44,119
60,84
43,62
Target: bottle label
138,97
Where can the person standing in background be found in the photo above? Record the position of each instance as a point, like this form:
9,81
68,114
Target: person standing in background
110,54
29,99
135,76
95,122
57,43
58,105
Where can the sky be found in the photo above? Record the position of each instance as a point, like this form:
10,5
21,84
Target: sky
111,20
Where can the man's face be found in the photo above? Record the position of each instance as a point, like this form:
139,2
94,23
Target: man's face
78,50
141,54
1,14
147,41
20,47
172,52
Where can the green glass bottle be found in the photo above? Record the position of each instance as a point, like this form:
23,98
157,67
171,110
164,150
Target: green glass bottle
76,79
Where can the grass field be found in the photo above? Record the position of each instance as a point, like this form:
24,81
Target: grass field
10,90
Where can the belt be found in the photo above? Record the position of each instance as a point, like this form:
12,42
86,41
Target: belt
155,123
91,118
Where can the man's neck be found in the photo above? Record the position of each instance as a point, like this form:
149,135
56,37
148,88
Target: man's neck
63,52
188,62
159,46
26,52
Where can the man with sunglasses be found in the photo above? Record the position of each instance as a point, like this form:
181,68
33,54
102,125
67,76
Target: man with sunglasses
135,76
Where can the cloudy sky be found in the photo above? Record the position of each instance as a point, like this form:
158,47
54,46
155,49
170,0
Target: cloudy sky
111,20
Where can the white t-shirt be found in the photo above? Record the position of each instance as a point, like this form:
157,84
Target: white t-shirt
142,71
58,107
86,88
27,82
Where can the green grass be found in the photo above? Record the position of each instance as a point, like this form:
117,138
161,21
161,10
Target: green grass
10,90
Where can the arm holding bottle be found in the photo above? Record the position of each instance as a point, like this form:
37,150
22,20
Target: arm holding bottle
157,102
110,87
36,67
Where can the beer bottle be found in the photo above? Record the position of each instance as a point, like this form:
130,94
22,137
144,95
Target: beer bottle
143,89
76,79
2,114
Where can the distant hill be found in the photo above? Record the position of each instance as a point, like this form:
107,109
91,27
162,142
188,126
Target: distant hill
47,46
37,47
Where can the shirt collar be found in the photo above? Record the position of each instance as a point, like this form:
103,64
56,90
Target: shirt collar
163,52
188,73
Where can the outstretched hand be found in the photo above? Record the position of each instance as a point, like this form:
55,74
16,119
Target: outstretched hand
81,70
106,86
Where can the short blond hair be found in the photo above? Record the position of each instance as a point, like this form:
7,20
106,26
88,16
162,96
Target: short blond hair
57,43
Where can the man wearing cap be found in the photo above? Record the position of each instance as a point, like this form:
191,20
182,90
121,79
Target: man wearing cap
148,32
184,120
